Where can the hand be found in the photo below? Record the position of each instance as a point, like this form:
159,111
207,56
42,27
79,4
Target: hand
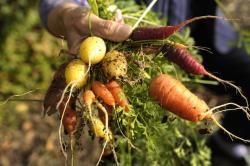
74,23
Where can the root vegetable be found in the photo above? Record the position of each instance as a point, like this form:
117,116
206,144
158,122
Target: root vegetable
175,97
119,96
150,33
92,50
76,73
88,97
101,91
99,129
69,118
114,65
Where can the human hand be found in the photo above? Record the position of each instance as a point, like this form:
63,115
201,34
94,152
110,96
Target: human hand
74,23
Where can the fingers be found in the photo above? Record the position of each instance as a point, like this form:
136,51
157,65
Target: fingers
106,29
111,30
89,24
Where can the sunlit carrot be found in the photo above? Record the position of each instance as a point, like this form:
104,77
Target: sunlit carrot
102,92
176,98
120,98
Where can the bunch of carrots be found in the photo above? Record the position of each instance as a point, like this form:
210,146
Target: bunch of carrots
91,85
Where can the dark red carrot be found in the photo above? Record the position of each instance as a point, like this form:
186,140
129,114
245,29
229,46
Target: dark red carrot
150,33
69,118
184,59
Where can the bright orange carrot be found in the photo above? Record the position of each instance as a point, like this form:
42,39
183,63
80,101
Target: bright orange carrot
120,98
100,90
175,97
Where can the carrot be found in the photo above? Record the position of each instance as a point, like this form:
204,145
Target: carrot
175,97
101,91
88,97
119,96
179,55
69,118
150,33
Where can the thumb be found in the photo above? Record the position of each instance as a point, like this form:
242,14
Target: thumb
110,30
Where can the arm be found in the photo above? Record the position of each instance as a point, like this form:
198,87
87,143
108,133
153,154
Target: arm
71,21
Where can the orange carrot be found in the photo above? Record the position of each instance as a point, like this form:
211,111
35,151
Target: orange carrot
88,97
101,91
175,97
118,94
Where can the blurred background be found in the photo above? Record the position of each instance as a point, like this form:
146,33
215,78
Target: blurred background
28,57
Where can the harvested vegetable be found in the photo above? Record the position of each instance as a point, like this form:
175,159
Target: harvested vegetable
99,129
101,91
88,97
175,97
119,96
150,33
76,73
92,50
69,118
114,65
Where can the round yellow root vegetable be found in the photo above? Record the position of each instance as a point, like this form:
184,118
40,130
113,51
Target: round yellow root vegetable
114,65
76,73
92,50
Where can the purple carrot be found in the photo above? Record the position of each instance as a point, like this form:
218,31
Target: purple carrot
151,33
183,58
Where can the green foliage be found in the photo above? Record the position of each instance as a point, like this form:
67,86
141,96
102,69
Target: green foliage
28,53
